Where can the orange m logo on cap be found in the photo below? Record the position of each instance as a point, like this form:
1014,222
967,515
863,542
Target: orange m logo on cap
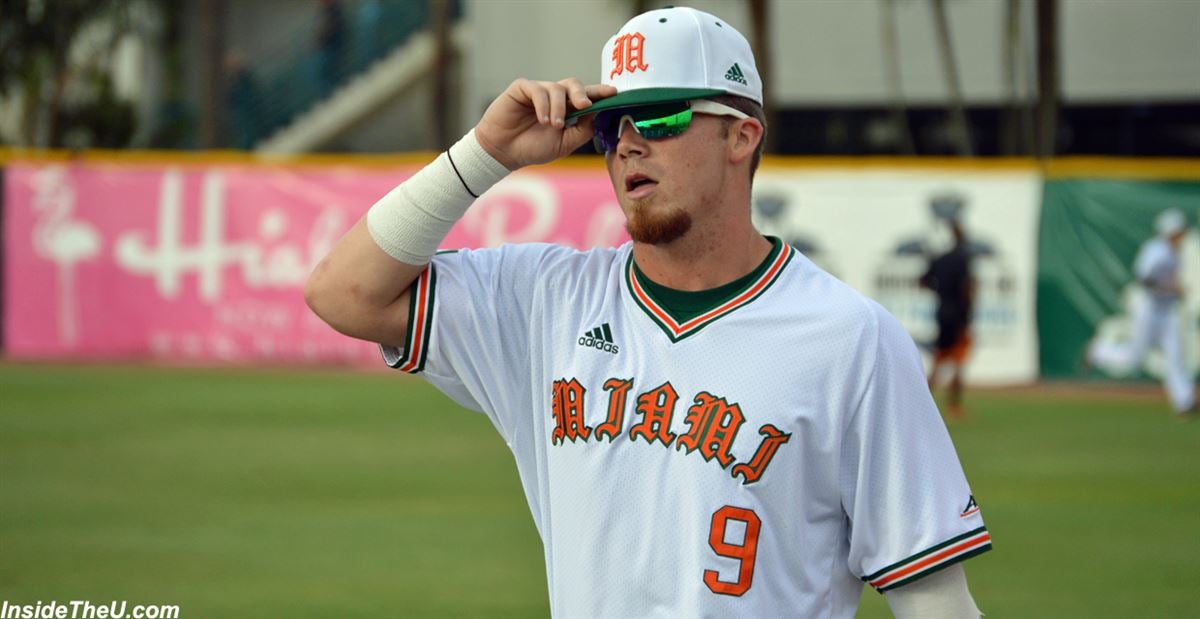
627,54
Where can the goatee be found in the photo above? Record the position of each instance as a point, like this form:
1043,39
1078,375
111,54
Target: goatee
657,228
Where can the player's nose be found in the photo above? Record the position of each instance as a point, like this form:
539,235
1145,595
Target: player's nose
631,143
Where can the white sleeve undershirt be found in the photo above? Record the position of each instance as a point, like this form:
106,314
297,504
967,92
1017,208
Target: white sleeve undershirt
412,220
942,595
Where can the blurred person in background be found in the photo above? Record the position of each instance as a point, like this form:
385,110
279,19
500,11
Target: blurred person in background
949,277
241,102
1155,318
369,32
331,44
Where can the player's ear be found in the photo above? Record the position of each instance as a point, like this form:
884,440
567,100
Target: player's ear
744,136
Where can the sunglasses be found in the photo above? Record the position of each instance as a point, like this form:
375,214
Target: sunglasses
654,122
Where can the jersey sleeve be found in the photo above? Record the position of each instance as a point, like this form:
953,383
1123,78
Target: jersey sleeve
1154,268
1145,264
468,332
910,508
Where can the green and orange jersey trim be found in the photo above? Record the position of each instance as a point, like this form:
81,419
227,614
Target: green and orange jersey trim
420,323
931,560
678,328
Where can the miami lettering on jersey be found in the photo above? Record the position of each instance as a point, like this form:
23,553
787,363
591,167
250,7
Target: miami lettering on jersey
712,423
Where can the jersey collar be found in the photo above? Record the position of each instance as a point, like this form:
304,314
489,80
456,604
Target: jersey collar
678,328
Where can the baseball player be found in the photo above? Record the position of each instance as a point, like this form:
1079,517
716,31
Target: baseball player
704,422
1155,319
949,276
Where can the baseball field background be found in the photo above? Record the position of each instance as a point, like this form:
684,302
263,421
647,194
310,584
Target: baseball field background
175,462
178,429
271,493
168,463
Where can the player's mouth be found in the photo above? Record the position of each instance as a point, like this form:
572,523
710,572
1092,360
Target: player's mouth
638,185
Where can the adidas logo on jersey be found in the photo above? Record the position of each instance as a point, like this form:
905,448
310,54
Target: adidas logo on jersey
734,74
599,338
971,508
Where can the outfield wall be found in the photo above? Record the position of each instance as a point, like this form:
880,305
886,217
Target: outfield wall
207,263
202,259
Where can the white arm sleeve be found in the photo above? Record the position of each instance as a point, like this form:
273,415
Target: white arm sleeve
942,595
412,220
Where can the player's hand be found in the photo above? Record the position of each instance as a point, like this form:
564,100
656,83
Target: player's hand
526,124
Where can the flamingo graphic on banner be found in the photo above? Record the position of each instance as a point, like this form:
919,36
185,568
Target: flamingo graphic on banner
63,240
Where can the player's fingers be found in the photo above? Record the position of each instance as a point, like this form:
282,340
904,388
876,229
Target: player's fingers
579,133
536,94
576,93
558,103
595,92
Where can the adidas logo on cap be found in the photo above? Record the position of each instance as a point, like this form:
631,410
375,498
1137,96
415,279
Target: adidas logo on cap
734,74
599,338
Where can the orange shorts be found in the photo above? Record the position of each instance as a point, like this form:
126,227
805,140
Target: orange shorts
957,352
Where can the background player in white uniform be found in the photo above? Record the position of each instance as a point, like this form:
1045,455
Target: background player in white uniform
704,422
1155,318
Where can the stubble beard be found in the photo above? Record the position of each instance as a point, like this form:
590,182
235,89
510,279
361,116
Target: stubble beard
645,225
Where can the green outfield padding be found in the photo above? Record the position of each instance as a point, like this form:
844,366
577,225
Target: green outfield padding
1090,233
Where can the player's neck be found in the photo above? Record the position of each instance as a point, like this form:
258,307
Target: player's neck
703,258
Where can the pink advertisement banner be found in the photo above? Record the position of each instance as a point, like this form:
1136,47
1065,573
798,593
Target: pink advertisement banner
207,264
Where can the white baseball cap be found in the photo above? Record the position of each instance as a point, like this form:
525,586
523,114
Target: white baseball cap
1170,222
676,54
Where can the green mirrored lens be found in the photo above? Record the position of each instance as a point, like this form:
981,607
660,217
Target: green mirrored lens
651,121
664,126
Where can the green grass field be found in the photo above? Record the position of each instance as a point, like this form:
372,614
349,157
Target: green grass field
251,493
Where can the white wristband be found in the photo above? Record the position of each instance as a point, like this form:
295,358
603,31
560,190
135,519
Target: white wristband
412,220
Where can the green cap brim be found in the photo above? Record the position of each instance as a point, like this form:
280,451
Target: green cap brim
647,96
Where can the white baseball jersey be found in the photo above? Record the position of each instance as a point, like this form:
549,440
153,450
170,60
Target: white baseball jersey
1157,266
760,457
